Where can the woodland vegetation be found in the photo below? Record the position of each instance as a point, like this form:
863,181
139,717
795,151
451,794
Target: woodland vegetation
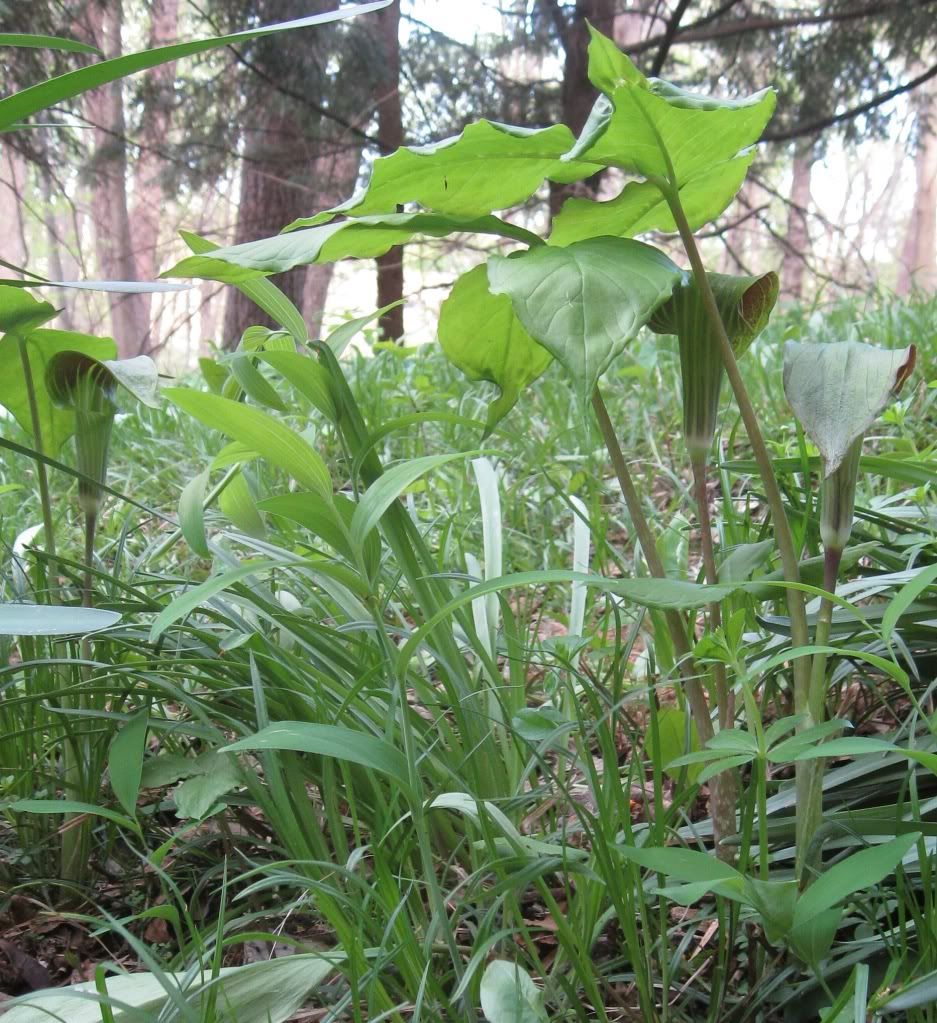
469,548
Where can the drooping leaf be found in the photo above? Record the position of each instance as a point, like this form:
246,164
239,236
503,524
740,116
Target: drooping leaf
583,303
508,995
838,390
260,432
640,206
329,741
490,166
264,294
362,238
23,104
481,335
53,620
42,345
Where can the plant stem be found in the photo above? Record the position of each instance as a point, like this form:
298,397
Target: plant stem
782,529
41,475
722,801
726,783
811,808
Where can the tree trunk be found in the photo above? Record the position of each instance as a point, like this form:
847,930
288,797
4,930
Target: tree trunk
12,191
108,173
158,100
275,165
578,94
390,135
797,238
919,254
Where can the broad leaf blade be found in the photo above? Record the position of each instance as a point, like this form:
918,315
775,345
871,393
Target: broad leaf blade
481,336
490,166
508,995
583,303
363,238
42,345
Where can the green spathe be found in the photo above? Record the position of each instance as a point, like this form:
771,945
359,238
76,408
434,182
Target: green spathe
838,390
745,304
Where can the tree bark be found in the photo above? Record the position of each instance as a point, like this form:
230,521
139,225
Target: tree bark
919,253
577,93
158,102
797,238
390,135
107,170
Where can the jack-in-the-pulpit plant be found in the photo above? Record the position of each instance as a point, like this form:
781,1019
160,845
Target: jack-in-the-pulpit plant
576,297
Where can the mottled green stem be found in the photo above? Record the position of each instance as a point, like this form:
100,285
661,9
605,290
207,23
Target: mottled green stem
724,785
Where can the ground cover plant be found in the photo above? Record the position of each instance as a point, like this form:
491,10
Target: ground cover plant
357,697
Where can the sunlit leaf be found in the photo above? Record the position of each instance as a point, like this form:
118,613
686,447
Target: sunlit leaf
583,303
481,335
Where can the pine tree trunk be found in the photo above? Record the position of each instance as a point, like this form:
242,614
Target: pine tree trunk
108,173
390,134
158,100
578,94
919,254
797,238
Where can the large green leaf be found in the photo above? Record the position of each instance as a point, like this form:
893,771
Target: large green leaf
854,874
362,238
46,94
640,206
21,314
481,335
490,166
656,129
260,432
56,424
583,303
508,995
329,741
269,991
838,390
660,131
